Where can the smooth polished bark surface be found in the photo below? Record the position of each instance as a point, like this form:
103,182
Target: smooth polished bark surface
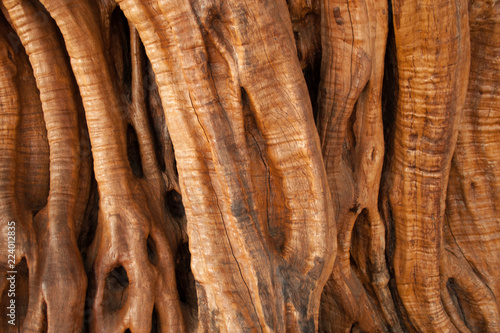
250,166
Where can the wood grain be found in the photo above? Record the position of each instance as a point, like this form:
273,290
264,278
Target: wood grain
251,166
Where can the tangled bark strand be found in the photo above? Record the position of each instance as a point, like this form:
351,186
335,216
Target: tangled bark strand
220,204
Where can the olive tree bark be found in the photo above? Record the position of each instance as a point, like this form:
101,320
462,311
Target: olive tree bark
250,166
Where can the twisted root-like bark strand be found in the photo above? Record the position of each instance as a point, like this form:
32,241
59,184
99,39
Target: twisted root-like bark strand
230,241
9,131
38,35
432,82
24,177
473,200
127,214
350,126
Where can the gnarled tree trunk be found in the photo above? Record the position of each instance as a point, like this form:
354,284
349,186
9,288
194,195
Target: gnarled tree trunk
234,166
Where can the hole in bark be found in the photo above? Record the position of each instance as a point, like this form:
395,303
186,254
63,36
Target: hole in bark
355,328
91,214
185,280
134,152
45,324
173,202
127,331
120,50
311,75
455,292
360,245
353,262
155,323
156,116
349,143
115,294
389,90
117,279
87,313
245,100
151,248
174,164
355,208
297,44
351,137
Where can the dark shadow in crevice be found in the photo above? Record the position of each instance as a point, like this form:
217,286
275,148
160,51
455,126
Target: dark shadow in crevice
151,249
185,280
456,293
119,39
115,289
156,116
173,203
134,152
155,322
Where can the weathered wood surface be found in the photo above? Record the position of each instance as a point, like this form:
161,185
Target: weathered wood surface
251,166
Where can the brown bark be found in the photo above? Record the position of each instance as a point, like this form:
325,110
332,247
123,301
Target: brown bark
432,82
268,166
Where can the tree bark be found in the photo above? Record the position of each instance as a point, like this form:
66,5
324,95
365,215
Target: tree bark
250,166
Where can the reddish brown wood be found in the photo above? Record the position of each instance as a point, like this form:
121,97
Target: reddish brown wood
251,166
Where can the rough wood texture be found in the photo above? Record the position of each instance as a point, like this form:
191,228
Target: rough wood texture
251,166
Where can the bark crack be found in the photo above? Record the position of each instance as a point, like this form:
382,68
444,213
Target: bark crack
223,221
